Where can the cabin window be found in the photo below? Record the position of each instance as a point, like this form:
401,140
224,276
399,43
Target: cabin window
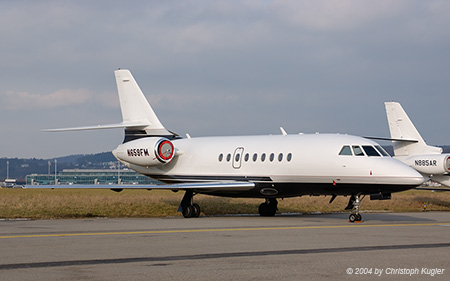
220,157
228,157
370,150
263,157
255,157
237,157
247,156
357,150
346,150
280,157
289,157
272,156
382,151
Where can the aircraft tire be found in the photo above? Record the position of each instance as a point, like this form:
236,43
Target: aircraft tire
188,211
352,218
196,208
267,210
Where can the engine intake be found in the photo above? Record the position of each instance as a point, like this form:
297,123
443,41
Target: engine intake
146,151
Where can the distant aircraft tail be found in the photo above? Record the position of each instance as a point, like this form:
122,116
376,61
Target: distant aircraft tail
138,117
406,139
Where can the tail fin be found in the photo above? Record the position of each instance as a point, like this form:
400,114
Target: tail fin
138,117
136,110
407,141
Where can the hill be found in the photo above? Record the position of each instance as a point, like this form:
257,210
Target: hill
20,167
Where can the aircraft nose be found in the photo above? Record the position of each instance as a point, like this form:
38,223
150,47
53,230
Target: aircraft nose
417,180
409,176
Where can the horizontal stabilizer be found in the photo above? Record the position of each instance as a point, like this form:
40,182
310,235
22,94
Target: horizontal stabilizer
391,139
136,125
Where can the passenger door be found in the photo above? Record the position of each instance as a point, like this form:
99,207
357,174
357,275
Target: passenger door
237,157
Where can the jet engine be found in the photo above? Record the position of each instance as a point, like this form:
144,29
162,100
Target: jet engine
150,151
430,164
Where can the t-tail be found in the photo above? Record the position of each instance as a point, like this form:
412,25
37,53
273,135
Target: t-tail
407,141
136,111
138,118
410,148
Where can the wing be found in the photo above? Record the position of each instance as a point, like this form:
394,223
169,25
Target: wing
205,186
433,188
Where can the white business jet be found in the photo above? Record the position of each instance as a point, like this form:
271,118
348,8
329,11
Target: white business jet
268,167
410,148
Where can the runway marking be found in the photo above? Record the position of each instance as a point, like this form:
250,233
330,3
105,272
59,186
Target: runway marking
215,230
206,256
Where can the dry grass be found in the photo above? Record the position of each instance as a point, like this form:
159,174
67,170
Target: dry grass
72,203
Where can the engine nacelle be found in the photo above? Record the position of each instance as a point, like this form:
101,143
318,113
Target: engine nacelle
432,164
151,151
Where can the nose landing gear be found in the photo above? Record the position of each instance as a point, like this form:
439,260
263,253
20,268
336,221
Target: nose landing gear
353,204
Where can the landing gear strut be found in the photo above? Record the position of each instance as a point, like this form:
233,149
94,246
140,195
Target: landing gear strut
353,204
268,208
188,208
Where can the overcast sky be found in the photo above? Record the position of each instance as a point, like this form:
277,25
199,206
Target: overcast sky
220,68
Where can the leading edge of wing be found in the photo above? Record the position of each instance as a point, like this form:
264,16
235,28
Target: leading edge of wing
231,186
433,189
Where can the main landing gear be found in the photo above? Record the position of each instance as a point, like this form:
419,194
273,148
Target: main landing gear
188,208
192,211
353,204
268,208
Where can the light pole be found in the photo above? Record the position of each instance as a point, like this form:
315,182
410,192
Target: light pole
7,169
118,172
55,172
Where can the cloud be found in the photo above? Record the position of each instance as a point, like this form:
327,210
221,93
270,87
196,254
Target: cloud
13,101
224,67
323,15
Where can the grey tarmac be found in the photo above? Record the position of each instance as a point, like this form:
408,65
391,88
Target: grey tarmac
393,246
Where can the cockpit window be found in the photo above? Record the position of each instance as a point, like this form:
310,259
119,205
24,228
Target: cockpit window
357,150
345,150
370,151
382,151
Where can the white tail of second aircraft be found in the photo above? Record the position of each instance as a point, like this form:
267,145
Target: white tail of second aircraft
406,139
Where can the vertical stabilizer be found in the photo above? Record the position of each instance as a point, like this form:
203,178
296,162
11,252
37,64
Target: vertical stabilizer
401,128
136,109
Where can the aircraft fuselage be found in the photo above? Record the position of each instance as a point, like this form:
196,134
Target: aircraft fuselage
279,165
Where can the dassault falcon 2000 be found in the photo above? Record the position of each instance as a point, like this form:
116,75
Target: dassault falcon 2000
268,167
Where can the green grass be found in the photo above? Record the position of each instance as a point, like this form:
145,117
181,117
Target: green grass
73,203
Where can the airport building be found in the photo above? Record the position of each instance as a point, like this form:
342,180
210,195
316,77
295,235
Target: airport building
82,176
